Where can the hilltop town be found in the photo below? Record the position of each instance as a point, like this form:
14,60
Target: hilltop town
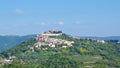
51,40
47,39
53,48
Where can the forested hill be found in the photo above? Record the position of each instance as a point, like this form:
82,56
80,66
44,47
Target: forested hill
7,42
84,53
102,38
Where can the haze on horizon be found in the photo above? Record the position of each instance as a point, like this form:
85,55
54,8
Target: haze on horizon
75,17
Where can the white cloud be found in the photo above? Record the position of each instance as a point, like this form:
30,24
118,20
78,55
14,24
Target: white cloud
41,23
60,23
19,11
77,23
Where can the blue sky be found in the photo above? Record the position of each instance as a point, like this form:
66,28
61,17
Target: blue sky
74,17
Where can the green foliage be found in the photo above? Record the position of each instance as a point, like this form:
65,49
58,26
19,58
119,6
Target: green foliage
19,49
6,42
84,53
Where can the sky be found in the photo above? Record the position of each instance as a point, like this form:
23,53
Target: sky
73,17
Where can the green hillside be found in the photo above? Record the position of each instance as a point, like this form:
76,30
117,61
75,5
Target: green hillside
85,53
7,42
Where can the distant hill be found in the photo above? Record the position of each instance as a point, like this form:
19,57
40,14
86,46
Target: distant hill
7,42
102,38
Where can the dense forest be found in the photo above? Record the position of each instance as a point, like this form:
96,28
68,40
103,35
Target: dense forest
85,53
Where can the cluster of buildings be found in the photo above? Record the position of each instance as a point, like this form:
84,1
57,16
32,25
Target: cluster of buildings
47,38
9,60
108,41
52,42
52,33
101,41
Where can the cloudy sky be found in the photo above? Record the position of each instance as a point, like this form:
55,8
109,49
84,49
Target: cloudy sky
74,17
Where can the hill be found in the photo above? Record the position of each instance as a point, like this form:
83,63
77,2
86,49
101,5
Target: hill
102,38
7,42
83,53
